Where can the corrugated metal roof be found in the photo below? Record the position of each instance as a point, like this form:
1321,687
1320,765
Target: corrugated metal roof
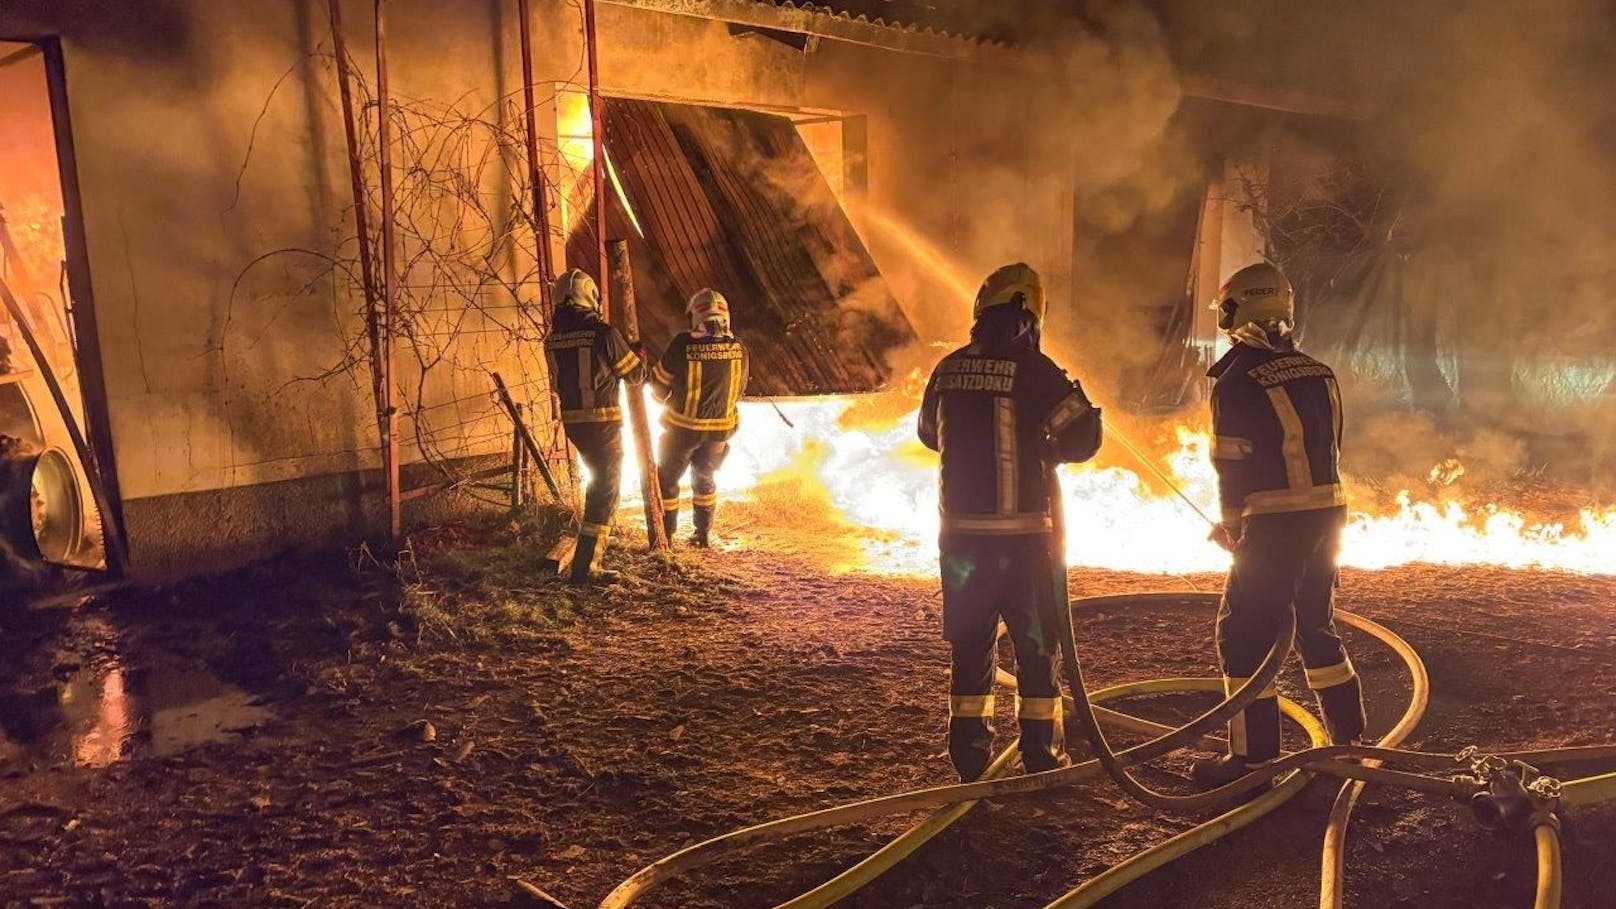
732,199
949,29
958,18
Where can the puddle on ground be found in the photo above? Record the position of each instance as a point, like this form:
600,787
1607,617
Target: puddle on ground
111,713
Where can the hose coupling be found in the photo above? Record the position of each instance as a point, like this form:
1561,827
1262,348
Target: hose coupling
1507,796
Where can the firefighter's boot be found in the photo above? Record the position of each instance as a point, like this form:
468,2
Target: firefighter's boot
703,515
1343,710
670,520
586,561
1212,773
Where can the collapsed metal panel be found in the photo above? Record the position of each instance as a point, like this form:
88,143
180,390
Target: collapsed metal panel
732,199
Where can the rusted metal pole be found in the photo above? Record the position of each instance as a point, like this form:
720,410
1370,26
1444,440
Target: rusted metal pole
628,319
356,177
535,172
388,281
533,451
598,137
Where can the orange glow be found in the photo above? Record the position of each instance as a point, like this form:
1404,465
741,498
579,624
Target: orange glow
883,487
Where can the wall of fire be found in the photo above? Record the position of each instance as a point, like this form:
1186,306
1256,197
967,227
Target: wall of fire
211,164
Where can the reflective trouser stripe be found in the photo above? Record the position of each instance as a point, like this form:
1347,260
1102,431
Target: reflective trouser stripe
1330,676
704,500
970,705
1038,708
588,529
1233,683
672,504
1239,740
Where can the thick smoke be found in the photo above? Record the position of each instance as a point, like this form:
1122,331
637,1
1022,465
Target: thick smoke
1492,123
1078,119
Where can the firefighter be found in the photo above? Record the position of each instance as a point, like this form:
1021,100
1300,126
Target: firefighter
587,359
1002,415
699,379
1276,418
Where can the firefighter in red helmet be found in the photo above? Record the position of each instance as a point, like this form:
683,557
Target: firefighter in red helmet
588,359
1002,415
1276,420
700,380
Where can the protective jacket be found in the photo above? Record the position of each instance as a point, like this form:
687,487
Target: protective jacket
587,358
1276,421
701,378
1001,413
1276,413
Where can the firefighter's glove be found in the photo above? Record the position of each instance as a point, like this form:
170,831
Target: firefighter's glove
1226,536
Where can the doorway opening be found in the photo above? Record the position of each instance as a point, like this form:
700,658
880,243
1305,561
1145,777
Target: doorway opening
52,534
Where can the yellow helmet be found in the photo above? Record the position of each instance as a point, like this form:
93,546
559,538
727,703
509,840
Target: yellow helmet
1015,284
576,289
707,305
1256,293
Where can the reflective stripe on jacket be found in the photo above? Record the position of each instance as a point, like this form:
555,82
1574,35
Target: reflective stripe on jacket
587,358
1276,423
1002,414
700,379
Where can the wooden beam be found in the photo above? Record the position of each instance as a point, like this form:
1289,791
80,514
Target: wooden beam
622,278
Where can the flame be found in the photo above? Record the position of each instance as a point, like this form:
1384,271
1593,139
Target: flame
1447,472
881,486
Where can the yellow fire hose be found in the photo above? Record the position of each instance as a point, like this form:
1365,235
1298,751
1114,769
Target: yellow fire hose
1332,865
712,850
1548,866
1357,764
959,798
1135,867
1588,790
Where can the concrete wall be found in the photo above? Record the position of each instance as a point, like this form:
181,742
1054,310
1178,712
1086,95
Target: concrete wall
208,135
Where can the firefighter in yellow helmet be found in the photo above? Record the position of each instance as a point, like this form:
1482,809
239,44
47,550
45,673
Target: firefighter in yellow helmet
700,380
1002,415
588,358
1276,417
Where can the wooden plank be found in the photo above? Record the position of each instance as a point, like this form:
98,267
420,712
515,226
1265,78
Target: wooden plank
421,492
622,278
527,437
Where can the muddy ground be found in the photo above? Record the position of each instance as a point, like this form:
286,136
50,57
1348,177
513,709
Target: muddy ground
317,733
